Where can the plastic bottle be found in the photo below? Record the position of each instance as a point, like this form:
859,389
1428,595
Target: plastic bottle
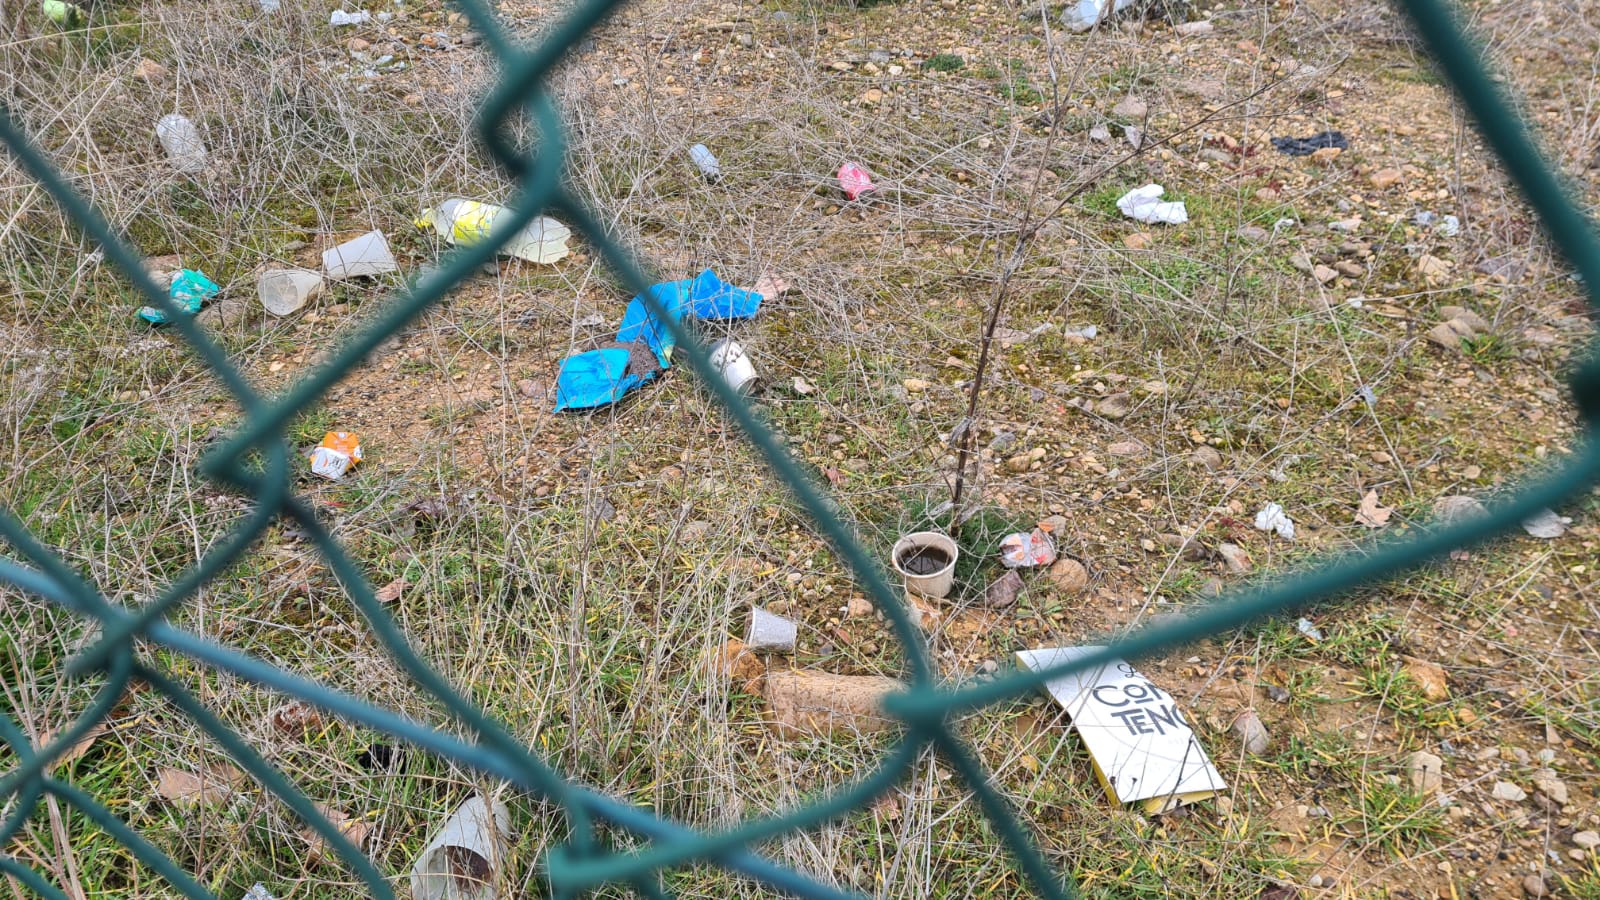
183,143
706,161
465,222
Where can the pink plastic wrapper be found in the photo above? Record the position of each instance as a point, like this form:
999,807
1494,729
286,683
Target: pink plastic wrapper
1021,550
855,181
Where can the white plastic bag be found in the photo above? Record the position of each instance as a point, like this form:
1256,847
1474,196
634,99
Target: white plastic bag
1145,205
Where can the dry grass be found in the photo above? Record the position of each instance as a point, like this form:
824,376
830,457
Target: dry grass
582,632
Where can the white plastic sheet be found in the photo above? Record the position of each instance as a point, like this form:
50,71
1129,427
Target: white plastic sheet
1145,205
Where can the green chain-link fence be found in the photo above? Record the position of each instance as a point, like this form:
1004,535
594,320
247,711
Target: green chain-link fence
256,462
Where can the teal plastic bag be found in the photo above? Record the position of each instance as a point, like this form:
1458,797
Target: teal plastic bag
189,290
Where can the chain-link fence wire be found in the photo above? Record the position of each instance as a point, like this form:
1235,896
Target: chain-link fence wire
256,462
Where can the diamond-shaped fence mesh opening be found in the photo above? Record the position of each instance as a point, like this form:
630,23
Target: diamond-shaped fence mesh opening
135,644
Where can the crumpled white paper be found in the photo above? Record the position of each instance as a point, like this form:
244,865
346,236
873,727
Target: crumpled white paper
1145,205
1273,518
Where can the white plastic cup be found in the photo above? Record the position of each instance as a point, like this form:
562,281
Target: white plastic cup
706,162
934,585
182,141
734,364
461,860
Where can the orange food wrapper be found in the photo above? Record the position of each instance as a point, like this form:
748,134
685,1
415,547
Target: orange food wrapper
338,451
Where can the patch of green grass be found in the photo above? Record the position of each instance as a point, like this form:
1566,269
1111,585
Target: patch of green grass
944,62
1485,349
1395,820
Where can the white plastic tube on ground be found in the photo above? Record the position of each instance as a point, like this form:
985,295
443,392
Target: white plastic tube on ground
460,862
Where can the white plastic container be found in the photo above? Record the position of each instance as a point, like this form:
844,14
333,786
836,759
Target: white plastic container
366,255
181,139
927,561
461,860
466,222
284,291
734,364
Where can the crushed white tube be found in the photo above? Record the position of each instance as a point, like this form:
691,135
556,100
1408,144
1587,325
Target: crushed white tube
460,862
340,17
1273,518
1145,205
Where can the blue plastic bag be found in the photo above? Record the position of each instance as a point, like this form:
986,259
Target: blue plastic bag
598,377
594,378
703,297
188,291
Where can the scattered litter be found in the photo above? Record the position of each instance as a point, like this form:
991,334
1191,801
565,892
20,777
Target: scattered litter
212,785
644,346
1003,592
181,139
819,703
466,222
1253,736
1305,627
366,255
1273,518
1546,524
803,387
705,297
734,363
1367,395
1195,29
1083,15
271,6
1027,549
1306,146
855,182
927,561
1100,134
1145,205
285,291
188,289
1448,226
769,631
338,452
1086,333
340,18
258,892
1371,514
1141,746
602,376
706,162
459,863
